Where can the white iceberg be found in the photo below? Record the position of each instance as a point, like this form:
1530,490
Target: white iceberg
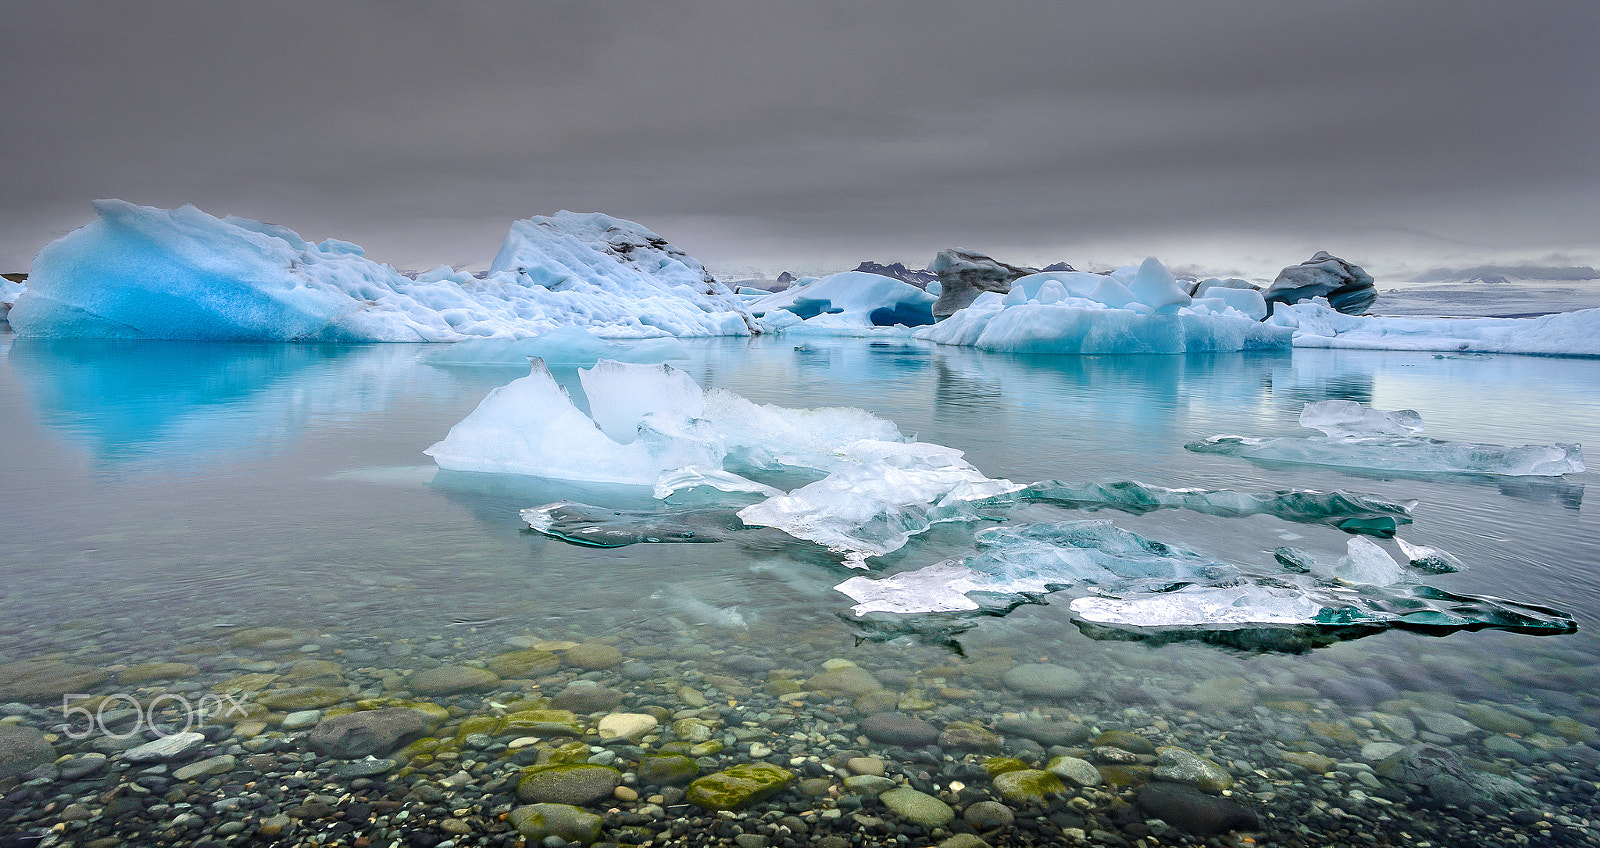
139,272
1134,310
1356,437
1316,324
532,427
853,300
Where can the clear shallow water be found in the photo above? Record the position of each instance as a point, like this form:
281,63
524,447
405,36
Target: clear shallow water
158,494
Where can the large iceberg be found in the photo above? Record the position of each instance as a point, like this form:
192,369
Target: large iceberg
139,272
1132,310
1356,437
853,300
1316,324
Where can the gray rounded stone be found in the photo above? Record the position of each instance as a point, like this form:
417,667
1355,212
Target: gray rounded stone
367,733
23,749
899,729
450,679
988,815
174,747
918,807
1044,680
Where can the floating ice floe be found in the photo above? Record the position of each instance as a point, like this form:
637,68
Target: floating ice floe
139,272
1355,437
653,426
1132,310
1348,511
1316,324
853,300
1125,586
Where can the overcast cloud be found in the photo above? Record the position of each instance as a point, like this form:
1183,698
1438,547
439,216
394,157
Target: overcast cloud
767,135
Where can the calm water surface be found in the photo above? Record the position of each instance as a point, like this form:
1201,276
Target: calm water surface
158,494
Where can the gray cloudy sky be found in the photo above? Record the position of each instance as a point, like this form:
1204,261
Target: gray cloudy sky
811,135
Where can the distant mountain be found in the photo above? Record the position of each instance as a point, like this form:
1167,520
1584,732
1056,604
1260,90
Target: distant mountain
918,278
1506,273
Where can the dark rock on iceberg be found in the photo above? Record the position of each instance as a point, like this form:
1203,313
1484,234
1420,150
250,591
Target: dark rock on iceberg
897,271
1200,286
963,275
1347,288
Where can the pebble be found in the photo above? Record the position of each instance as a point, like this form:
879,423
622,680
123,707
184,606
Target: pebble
174,747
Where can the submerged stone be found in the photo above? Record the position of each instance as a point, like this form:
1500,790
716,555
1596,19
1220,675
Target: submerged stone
1181,766
538,822
450,679
23,749
368,732
738,787
528,663
573,783
1184,806
1027,785
917,807
667,769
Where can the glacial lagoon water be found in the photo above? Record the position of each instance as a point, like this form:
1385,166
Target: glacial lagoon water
161,498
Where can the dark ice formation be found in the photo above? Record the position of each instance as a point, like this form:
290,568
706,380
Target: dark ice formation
963,275
1348,511
1347,288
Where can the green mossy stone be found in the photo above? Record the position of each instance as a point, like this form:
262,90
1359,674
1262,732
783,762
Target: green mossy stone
572,752
1028,785
1000,765
435,712
544,723
667,769
302,697
567,783
1127,741
424,747
487,725
738,787
529,663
